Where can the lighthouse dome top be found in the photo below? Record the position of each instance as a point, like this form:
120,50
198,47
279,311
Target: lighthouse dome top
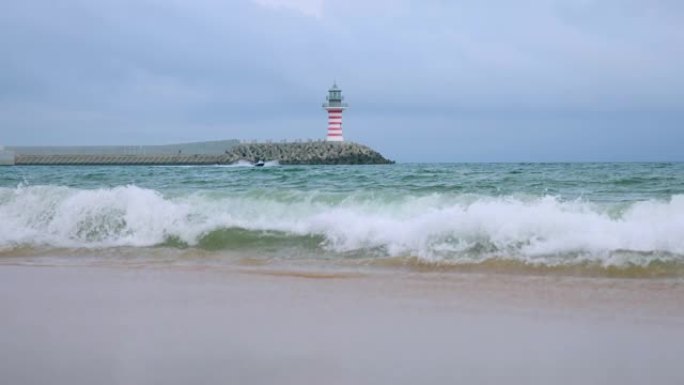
334,98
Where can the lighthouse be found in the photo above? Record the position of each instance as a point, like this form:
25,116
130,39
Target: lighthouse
335,107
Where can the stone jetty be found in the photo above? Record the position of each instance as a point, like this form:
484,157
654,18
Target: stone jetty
205,153
308,153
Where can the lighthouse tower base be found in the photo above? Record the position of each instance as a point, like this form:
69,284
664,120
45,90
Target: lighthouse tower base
334,138
335,124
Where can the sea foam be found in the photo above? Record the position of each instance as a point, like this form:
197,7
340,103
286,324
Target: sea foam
461,228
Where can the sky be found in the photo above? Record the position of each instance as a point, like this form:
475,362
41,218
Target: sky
426,80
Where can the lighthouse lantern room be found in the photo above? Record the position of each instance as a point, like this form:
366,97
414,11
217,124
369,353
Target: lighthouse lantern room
335,106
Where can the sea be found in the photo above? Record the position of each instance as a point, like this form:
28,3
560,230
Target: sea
586,219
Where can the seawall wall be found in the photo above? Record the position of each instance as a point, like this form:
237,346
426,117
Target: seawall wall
195,148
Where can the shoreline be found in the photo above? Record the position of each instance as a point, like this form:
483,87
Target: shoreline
268,324
170,256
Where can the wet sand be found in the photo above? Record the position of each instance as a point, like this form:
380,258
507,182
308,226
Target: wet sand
273,325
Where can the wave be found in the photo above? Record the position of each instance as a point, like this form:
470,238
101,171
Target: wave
238,164
245,163
461,229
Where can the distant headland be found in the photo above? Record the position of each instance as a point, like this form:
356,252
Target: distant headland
198,153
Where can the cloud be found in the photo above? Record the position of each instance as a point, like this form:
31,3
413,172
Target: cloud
312,8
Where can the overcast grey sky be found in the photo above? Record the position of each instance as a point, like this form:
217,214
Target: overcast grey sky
426,80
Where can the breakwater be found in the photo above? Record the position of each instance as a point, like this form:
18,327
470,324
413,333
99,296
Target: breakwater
227,152
309,153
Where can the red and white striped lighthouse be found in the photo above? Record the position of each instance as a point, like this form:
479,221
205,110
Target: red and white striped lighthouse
335,107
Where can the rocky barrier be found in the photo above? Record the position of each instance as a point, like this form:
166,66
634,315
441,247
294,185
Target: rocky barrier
308,153
312,153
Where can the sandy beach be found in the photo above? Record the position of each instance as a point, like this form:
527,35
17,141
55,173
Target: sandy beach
275,324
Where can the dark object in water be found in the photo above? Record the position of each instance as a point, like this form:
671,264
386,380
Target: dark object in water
259,163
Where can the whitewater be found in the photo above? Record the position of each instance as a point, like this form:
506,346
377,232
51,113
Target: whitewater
550,215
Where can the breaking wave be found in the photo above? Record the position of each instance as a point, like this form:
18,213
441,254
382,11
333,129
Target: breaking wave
462,229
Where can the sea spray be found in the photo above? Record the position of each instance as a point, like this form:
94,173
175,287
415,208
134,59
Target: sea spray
454,227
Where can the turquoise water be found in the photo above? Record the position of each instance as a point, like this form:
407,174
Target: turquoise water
603,215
